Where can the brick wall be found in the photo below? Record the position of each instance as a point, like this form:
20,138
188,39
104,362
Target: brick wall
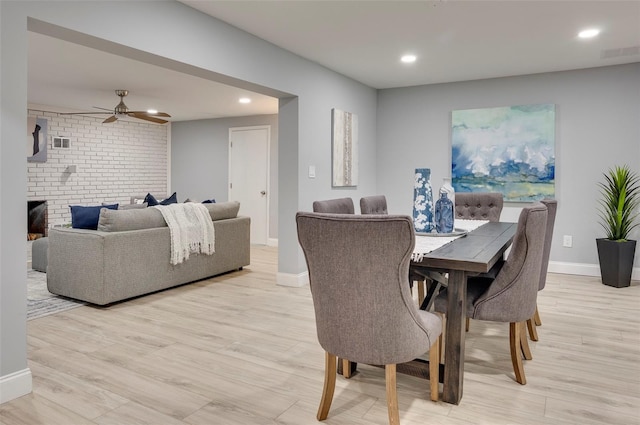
113,162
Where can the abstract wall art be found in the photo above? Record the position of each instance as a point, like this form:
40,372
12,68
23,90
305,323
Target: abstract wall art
344,141
36,139
509,149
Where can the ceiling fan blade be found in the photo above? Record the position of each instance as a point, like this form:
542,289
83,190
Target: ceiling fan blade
147,117
84,113
112,118
157,114
104,109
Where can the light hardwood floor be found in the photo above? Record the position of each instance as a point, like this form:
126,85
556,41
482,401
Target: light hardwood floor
238,349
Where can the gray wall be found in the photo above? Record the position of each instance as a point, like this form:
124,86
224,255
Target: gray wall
188,41
200,160
598,126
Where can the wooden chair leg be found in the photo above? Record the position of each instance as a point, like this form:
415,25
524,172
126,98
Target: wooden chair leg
466,325
329,386
533,332
434,369
441,338
516,358
346,368
536,317
524,342
421,285
392,394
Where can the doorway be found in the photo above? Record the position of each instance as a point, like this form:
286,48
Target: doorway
249,177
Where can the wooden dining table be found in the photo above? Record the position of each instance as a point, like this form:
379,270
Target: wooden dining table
475,253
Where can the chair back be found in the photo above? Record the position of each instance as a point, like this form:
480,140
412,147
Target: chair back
511,297
335,206
552,207
358,267
373,205
479,205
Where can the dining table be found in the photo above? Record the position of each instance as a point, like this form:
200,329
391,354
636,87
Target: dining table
470,253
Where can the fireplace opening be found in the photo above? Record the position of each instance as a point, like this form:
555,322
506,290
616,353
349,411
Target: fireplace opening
36,219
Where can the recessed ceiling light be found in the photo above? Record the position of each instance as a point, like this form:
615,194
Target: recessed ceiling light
592,32
408,58
244,100
152,111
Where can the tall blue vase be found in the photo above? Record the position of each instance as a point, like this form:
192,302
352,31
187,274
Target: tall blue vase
444,213
423,201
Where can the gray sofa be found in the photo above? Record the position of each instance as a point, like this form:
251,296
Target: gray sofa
129,254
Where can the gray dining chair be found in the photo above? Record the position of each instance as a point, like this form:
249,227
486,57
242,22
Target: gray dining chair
334,206
511,296
479,205
552,207
358,267
373,205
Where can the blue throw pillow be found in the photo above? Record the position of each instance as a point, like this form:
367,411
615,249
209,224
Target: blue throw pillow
152,201
173,199
87,217
209,201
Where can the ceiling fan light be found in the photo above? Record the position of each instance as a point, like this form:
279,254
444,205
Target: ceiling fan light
152,111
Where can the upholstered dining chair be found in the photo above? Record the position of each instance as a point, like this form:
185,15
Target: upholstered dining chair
552,207
334,206
479,205
358,267
373,205
511,296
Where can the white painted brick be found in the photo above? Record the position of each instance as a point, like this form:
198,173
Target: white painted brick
114,162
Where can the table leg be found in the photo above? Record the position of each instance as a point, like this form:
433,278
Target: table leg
454,337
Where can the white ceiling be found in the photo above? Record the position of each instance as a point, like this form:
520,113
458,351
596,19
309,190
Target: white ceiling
454,41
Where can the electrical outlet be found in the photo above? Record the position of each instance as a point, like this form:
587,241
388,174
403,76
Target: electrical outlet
567,241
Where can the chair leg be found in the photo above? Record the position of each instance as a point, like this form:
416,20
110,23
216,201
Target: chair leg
392,394
466,325
346,368
329,386
531,326
536,317
421,285
516,358
434,369
524,342
441,338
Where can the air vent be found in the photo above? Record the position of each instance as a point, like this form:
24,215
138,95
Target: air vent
623,51
61,143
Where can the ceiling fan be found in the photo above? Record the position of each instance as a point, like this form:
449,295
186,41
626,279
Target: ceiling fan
122,111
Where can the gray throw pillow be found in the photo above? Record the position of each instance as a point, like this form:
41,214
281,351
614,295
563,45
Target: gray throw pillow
132,206
223,210
135,219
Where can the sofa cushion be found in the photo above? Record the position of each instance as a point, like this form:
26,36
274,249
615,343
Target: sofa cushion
87,217
152,201
133,219
223,210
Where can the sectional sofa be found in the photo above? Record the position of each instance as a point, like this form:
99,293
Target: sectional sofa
129,254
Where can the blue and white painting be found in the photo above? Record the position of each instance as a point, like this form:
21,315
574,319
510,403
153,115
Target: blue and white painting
423,201
510,150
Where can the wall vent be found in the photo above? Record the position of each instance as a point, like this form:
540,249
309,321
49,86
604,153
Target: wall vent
61,143
622,51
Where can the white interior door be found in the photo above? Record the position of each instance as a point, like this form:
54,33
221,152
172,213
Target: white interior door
249,177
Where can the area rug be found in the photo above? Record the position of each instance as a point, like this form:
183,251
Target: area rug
41,302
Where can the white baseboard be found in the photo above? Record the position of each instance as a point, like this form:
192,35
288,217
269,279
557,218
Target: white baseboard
583,269
294,280
272,242
15,385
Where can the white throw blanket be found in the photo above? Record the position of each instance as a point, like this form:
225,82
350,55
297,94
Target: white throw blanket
191,230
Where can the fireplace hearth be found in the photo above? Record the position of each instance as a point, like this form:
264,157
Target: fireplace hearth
36,219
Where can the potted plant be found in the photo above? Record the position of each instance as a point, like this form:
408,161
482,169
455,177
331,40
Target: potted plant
620,198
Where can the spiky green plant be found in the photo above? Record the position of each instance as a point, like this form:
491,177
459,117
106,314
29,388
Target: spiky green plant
620,198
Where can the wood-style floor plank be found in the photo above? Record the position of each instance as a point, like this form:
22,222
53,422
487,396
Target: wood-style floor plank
239,349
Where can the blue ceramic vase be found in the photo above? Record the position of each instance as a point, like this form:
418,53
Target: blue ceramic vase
423,201
444,213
